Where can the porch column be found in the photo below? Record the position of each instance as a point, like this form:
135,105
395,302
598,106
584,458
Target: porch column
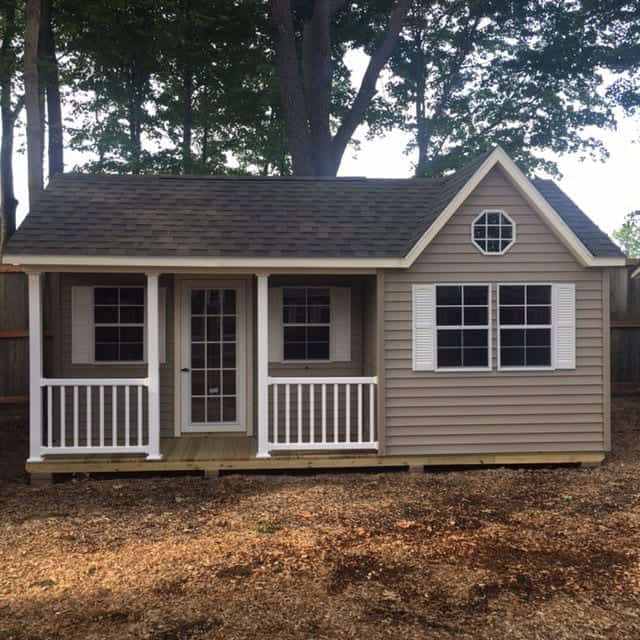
35,367
153,365
263,366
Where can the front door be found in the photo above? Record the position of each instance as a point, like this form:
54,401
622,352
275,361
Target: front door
212,356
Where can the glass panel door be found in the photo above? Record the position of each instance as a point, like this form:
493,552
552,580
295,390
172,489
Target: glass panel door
214,357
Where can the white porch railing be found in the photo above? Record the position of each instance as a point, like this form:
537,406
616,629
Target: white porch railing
322,413
83,416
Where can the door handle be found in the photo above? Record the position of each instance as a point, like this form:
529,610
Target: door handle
185,370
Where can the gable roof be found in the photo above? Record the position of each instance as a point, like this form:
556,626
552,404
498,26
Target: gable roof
91,219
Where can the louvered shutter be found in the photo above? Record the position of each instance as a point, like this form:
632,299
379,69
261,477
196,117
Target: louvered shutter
564,325
276,332
82,343
340,334
423,318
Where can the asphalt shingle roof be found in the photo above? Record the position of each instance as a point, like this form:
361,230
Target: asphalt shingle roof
157,216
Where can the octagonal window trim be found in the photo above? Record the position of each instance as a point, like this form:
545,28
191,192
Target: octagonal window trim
476,240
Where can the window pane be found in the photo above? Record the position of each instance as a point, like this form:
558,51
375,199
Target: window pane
105,295
132,315
106,315
507,231
213,329
538,294
318,297
448,295
511,315
538,315
449,338
318,351
479,231
213,301
131,351
131,334
295,334
228,409
197,409
197,356
504,244
296,315
229,328
213,356
318,334
475,357
197,301
476,315
475,337
319,315
538,337
197,383
294,351
229,302
106,352
512,356
493,218
449,357
229,383
538,356
294,296
197,329
213,410
449,316
482,244
107,334
214,387
493,232
132,296
475,295
493,246
511,294
229,355
512,337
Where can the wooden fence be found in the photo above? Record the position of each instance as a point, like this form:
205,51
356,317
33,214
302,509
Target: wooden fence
625,329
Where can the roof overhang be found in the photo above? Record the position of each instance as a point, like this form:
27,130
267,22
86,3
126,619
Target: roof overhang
498,157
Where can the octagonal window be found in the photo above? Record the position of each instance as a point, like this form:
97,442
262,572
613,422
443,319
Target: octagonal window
493,232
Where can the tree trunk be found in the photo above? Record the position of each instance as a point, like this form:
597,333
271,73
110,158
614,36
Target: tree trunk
35,133
187,119
51,82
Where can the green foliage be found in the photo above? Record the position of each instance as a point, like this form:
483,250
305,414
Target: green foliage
628,235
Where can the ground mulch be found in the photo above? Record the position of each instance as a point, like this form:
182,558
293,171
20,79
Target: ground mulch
547,553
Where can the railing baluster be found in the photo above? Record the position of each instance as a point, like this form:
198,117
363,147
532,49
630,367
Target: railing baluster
312,421
372,389
335,413
347,413
275,413
287,411
114,415
49,416
63,418
359,412
127,415
101,415
75,415
139,421
299,398
324,413
89,389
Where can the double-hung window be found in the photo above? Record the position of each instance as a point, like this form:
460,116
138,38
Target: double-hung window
462,326
119,324
306,315
525,326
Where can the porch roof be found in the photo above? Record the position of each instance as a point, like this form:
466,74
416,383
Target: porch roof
179,216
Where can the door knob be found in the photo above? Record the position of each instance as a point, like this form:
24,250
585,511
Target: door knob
185,370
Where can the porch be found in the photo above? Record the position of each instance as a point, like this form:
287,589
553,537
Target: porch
119,423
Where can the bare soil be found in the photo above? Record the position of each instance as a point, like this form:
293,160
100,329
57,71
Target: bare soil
547,553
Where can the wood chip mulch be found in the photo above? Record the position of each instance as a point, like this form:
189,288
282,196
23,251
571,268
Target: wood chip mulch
547,553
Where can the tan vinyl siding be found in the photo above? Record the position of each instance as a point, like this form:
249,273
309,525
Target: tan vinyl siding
494,412
67,369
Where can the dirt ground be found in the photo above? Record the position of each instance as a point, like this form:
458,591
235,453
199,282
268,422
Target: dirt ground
494,553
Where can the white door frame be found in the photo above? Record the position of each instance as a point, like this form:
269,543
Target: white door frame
184,361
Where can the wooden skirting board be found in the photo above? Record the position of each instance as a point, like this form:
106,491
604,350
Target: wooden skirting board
291,462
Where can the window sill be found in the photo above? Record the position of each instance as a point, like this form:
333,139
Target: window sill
511,369
462,369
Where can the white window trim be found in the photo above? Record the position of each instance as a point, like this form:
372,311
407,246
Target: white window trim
513,235
488,326
306,324
118,324
499,326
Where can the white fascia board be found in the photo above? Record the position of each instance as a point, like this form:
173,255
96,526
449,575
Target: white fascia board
531,194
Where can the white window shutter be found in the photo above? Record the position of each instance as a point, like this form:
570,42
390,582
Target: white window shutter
82,343
564,325
276,332
340,333
424,320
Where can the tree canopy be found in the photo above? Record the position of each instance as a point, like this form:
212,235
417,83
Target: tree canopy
628,235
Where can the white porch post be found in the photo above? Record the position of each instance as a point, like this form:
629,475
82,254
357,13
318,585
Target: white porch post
153,366
35,367
263,366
